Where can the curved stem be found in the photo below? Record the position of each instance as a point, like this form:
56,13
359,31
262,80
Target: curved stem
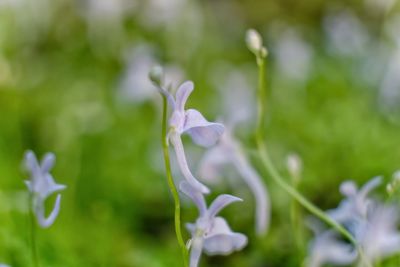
270,168
35,258
171,184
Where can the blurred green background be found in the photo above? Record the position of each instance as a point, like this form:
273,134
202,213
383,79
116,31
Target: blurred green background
73,80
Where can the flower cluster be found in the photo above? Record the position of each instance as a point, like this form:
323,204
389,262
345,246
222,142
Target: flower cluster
372,224
210,233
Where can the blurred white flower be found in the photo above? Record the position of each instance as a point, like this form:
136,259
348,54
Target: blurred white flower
293,55
295,166
228,151
328,248
192,122
135,85
41,185
211,233
346,35
373,225
379,6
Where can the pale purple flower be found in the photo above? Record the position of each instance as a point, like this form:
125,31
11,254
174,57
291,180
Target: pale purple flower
4,265
41,185
192,122
355,206
211,233
328,248
229,151
372,224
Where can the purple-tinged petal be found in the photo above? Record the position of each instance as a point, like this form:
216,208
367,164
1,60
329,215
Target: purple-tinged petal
221,202
32,164
259,189
348,188
195,251
369,186
194,195
326,248
40,213
222,241
183,165
47,162
203,132
182,94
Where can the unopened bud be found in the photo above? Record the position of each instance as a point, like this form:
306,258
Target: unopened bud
156,75
295,166
255,44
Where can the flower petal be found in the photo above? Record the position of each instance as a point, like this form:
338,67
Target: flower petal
194,195
221,202
195,252
47,162
31,163
222,241
182,94
183,165
203,132
40,213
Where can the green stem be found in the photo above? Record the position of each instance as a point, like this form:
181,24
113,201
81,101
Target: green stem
270,168
35,258
171,184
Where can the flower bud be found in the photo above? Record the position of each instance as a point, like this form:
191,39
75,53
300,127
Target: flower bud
156,75
295,166
254,43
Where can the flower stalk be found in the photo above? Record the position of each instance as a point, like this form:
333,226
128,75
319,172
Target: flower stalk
171,184
266,160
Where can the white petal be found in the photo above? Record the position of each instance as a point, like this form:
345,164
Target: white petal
47,162
203,132
40,213
222,241
182,95
221,202
194,195
183,165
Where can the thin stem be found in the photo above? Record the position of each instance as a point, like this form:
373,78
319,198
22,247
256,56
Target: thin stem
35,258
171,184
269,166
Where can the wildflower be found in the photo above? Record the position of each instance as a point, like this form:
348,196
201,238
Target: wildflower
328,248
41,185
294,166
228,151
192,122
372,224
210,232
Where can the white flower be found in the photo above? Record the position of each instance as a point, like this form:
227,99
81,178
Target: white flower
42,185
228,151
372,224
192,122
210,232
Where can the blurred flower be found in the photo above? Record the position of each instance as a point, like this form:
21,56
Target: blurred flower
379,6
293,55
228,151
355,206
134,84
192,122
328,248
42,185
4,265
378,235
210,232
372,224
346,35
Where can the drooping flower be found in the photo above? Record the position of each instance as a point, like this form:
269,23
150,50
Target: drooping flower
372,224
192,122
228,151
211,233
41,185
